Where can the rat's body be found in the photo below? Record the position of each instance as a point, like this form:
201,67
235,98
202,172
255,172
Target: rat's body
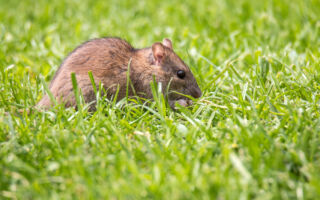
108,59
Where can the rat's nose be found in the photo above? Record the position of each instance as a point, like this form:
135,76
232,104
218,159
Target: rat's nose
196,92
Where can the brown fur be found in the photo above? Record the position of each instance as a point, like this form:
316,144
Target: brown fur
108,59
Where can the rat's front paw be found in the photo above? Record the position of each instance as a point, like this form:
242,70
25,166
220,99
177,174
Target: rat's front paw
182,102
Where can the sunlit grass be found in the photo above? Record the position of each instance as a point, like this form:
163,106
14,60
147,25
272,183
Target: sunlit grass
254,134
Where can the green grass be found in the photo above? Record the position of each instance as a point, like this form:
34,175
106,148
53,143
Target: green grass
254,134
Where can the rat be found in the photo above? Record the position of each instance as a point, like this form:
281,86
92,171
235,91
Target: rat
109,60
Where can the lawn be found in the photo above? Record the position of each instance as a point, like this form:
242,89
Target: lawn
254,134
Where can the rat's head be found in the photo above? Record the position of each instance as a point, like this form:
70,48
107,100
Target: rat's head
181,77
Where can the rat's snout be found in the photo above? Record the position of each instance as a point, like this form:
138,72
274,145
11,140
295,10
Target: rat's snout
196,92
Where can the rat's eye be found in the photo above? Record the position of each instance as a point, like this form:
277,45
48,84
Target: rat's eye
181,74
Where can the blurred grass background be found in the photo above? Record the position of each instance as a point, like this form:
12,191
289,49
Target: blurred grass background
253,135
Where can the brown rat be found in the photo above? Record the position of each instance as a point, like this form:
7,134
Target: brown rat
109,58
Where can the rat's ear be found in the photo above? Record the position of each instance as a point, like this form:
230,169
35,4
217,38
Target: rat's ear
166,42
158,52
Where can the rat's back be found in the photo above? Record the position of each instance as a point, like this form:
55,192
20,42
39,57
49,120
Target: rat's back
106,58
